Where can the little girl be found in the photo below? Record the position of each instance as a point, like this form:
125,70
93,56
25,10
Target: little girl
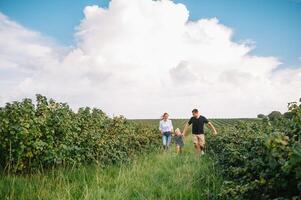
179,140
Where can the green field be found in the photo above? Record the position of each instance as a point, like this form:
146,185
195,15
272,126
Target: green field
48,151
180,123
158,175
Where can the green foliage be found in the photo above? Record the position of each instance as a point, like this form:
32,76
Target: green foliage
288,115
48,134
261,160
155,176
261,116
274,115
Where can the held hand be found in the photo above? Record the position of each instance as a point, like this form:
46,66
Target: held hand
214,132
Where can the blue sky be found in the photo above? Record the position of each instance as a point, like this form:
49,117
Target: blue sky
110,58
274,25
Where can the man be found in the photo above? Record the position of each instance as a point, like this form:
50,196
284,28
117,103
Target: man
198,122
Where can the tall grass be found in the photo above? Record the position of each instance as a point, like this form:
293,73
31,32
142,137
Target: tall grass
163,175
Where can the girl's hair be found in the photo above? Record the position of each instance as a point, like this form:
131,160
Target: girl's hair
164,115
177,130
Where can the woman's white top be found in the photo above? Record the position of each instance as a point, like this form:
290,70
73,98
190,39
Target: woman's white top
165,126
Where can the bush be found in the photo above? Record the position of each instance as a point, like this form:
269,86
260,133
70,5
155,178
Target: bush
49,134
288,115
274,115
261,160
261,116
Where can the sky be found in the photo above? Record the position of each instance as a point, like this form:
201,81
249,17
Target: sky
274,25
230,58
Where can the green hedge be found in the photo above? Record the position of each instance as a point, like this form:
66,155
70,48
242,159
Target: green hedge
47,134
261,160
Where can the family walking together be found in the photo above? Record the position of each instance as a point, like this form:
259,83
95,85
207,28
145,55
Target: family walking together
197,121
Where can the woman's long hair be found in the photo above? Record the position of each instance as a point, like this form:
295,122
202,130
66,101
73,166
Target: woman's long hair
162,117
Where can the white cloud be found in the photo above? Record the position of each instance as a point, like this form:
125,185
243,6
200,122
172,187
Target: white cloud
141,58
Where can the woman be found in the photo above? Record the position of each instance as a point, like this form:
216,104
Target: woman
166,129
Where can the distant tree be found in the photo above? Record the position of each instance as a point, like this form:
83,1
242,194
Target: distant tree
274,115
261,116
288,115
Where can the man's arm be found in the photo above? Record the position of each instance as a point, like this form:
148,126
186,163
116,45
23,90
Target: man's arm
185,129
212,128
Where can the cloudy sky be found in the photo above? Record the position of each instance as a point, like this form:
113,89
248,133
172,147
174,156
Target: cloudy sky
140,58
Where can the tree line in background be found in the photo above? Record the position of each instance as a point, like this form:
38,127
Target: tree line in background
274,115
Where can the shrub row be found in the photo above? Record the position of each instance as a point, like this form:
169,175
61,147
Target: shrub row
48,133
261,160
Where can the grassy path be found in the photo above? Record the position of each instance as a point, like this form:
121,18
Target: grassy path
154,176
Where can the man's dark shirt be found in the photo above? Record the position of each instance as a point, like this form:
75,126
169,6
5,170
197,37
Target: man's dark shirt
198,124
